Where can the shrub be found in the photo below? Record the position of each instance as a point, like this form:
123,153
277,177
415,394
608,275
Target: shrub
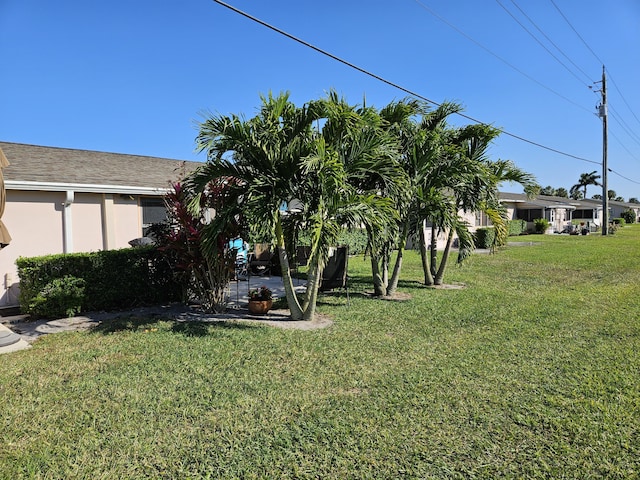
516,227
114,279
60,297
629,216
483,237
541,225
354,238
618,221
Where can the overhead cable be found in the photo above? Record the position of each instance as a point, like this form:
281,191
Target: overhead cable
510,65
390,83
540,43
576,32
622,96
587,76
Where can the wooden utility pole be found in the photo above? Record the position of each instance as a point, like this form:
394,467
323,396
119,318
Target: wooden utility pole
602,113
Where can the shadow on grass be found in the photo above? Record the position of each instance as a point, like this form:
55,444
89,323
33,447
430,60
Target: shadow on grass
121,324
190,328
201,329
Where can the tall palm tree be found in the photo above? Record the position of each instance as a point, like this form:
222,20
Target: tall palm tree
585,180
471,186
421,149
279,155
264,157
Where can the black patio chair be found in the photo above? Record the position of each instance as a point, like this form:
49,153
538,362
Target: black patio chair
260,260
334,274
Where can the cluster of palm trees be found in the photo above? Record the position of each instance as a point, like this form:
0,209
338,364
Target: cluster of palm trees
390,171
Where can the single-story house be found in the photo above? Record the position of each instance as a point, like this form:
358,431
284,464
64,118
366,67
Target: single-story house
558,211
61,200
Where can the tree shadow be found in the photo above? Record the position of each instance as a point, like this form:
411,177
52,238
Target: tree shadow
121,324
187,327
193,328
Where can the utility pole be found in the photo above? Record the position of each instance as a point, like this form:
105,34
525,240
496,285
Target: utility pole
602,113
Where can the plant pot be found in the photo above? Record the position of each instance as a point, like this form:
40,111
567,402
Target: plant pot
259,307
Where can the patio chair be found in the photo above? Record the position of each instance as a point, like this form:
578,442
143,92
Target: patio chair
334,274
260,260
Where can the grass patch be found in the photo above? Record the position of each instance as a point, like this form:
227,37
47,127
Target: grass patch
531,371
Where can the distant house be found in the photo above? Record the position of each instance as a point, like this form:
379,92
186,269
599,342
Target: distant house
63,200
558,211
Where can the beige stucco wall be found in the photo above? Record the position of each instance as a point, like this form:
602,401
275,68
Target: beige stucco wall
86,212
35,220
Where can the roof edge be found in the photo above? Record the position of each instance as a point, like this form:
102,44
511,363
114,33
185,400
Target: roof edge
82,188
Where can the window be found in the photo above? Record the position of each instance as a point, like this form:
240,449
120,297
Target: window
153,211
482,220
529,215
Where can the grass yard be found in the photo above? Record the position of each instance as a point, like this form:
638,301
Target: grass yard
531,371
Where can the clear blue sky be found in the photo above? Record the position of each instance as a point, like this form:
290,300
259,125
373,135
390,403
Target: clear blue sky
134,76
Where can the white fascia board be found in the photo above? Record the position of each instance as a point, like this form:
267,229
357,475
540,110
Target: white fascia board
82,188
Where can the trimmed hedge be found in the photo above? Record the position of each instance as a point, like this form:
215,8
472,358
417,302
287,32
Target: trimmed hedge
355,238
629,216
483,237
619,221
113,279
517,227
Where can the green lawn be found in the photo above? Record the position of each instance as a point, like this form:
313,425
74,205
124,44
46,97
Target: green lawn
531,371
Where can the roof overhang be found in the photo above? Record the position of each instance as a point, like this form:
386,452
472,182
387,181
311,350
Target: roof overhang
83,188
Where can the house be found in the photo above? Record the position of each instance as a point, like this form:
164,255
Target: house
558,211
61,200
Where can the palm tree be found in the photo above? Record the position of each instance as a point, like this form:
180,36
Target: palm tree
278,156
264,157
471,185
585,180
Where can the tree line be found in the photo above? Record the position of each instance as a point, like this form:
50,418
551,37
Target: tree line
579,190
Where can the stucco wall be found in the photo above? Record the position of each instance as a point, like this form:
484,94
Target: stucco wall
35,220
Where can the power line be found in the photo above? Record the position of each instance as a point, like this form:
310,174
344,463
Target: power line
624,146
622,96
622,176
576,32
399,87
510,65
388,82
624,125
586,75
538,41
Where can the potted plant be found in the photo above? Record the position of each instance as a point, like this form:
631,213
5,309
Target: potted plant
260,300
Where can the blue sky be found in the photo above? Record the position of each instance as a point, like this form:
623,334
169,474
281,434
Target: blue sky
135,76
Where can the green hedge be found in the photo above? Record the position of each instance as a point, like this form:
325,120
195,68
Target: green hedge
113,279
517,227
483,237
619,221
355,239
629,216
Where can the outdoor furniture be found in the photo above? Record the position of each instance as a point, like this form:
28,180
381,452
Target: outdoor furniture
301,258
334,274
260,260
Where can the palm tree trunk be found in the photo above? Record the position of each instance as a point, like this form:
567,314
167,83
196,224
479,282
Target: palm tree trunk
445,256
434,251
313,284
379,287
428,278
287,281
386,256
395,276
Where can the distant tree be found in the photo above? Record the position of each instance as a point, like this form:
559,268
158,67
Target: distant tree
576,195
562,192
619,199
585,180
634,200
611,194
548,190
597,196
